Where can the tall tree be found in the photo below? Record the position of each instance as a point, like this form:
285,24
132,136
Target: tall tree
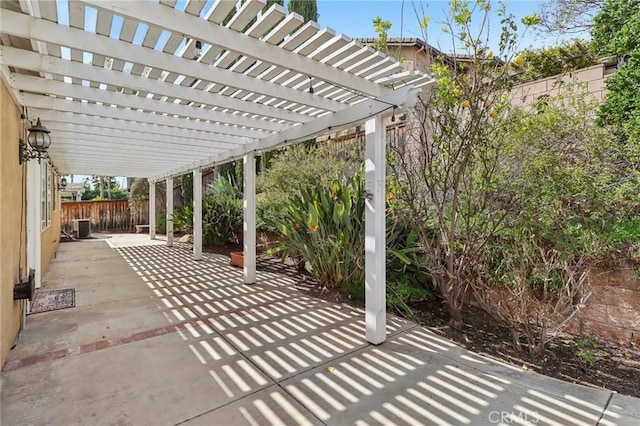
271,3
567,16
448,165
307,8
615,32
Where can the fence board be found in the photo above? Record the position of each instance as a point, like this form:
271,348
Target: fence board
104,215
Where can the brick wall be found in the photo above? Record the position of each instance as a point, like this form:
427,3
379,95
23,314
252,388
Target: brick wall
612,314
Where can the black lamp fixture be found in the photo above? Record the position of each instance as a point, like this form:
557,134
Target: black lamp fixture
38,143
311,85
63,183
198,50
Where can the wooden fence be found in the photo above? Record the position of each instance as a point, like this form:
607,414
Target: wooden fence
104,215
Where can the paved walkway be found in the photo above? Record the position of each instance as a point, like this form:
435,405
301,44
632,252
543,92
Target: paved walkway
159,339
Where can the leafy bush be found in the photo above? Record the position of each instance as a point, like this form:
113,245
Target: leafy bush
549,61
94,194
222,216
161,224
183,218
585,345
402,290
532,272
298,167
326,227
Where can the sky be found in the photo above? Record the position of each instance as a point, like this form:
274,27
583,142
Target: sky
354,18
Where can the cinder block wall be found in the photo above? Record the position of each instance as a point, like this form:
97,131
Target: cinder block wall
594,77
612,313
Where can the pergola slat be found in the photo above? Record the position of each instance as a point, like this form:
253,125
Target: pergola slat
141,138
284,28
25,26
60,89
109,146
220,10
104,21
44,102
76,15
193,27
195,6
156,131
267,21
246,14
48,11
315,42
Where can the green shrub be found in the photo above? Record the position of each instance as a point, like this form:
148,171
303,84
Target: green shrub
625,230
222,220
296,168
222,216
183,218
585,345
403,290
326,227
161,224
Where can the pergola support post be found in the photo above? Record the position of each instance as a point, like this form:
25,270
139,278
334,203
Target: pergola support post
375,230
249,228
197,214
169,214
152,210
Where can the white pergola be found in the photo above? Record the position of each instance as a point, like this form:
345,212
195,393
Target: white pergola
158,89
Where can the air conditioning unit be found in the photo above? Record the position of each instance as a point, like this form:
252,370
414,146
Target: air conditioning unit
81,228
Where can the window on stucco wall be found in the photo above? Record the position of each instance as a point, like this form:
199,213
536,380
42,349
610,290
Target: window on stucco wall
54,185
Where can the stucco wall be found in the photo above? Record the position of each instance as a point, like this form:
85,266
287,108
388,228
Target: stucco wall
50,238
13,252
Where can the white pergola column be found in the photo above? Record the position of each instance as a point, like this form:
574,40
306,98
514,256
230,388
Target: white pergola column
34,220
197,214
249,229
169,213
375,230
152,210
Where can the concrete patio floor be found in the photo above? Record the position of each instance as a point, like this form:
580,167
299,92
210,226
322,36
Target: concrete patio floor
159,339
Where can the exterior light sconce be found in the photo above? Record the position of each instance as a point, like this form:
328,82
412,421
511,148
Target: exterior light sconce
38,140
198,50
63,183
311,85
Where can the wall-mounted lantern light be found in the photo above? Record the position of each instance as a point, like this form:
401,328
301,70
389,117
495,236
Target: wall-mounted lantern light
63,183
39,141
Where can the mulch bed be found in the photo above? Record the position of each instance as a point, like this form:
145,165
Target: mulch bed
615,368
